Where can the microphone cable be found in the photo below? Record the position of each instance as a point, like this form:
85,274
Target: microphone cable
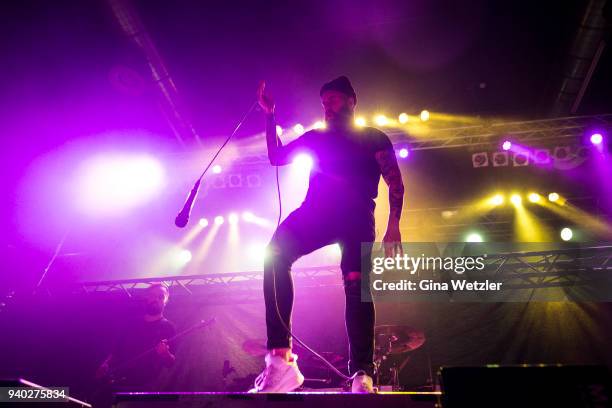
280,317
189,204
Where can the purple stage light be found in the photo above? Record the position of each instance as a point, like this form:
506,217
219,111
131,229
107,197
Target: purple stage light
403,153
184,256
303,163
113,183
596,138
507,145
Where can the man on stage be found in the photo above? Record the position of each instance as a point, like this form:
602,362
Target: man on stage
339,208
133,369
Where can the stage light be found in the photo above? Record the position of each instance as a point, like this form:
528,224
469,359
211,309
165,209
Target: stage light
253,180
318,125
111,184
251,218
302,162
219,220
360,121
507,145
520,159
497,199
234,180
516,199
203,222
381,120
299,129
474,237
534,197
424,115
562,152
403,118
566,234
185,256
216,169
500,159
596,138
542,156
232,219
480,159
257,252
527,226
279,130
552,197
403,153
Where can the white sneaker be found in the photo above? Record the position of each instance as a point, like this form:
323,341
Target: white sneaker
279,375
363,384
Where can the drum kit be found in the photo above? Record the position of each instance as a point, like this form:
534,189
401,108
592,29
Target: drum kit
393,347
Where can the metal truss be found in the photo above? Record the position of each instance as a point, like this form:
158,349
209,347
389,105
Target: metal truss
576,266
190,284
586,269
488,133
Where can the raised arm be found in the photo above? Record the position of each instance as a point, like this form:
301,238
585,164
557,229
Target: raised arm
278,154
392,176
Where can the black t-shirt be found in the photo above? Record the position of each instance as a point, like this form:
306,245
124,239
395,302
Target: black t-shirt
345,172
137,337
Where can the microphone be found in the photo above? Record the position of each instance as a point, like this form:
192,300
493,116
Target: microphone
182,218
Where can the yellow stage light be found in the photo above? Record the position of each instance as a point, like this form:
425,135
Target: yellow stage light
360,121
381,120
424,115
566,234
497,199
534,197
516,199
474,237
403,118
552,197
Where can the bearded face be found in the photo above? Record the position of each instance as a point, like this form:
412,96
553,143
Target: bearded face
155,300
338,108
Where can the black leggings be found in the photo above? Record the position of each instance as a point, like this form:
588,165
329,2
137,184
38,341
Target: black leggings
309,228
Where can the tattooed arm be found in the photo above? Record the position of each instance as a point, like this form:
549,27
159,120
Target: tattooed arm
392,176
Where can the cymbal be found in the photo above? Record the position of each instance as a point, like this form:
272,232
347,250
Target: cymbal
255,347
402,338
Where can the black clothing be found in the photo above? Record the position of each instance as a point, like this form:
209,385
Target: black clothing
339,207
136,338
340,84
345,172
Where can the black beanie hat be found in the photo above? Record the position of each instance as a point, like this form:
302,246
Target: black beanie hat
340,84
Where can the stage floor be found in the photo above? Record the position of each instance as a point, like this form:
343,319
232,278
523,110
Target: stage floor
318,398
